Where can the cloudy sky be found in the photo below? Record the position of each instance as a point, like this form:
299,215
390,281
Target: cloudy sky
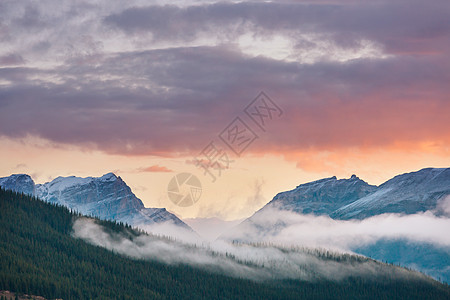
140,88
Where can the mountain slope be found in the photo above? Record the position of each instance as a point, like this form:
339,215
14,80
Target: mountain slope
407,193
322,197
426,257
40,256
20,183
352,198
107,197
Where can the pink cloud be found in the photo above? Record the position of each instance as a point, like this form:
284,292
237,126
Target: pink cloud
155,168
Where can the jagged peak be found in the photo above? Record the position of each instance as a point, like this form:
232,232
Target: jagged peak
334,178
330,180
74,180
109,177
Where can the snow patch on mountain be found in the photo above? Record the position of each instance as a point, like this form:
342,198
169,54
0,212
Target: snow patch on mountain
322,197
406,193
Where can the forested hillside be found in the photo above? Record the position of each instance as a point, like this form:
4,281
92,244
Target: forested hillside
39,256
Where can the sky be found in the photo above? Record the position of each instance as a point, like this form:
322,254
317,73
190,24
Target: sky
142,89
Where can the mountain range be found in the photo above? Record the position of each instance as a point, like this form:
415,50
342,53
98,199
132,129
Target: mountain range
354,199
107,197
406,194
50,251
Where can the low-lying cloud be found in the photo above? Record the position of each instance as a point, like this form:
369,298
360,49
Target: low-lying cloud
256,261
443,206
289,228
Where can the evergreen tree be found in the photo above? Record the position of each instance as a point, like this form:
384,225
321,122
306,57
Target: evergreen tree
39,256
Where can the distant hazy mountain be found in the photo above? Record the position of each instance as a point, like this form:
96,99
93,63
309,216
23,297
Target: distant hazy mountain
211,228
107,197
431,259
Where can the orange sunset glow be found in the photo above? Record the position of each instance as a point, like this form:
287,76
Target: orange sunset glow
129,97
223,149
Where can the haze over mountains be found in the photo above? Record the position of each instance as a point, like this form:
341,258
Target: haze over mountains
407,214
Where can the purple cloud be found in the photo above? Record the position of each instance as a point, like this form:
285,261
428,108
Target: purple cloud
101,83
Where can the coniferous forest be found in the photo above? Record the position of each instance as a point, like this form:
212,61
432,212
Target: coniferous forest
38,256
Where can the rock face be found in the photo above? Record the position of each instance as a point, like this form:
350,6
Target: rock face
107,197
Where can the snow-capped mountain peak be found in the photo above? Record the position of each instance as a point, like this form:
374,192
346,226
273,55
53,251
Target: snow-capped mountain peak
21,183
323,196
61,183
109,177
406,193
107,197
